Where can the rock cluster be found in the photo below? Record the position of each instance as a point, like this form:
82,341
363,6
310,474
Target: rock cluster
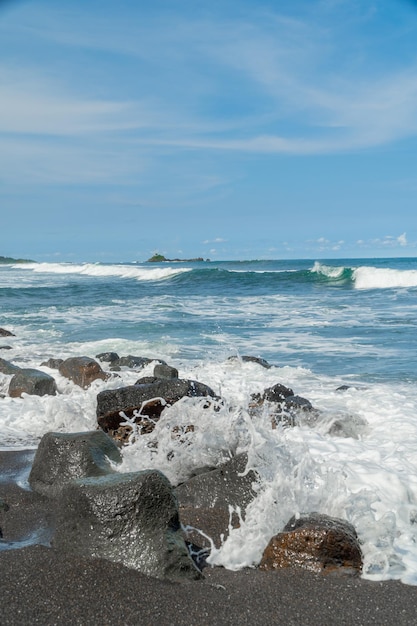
138,518
129,518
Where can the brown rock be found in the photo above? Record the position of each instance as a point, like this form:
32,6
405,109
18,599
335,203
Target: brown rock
82,370
315,542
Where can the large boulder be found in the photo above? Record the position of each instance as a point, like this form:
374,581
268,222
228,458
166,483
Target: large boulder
315,542
129,518
149,396
63,457
82,370
204,499
33,382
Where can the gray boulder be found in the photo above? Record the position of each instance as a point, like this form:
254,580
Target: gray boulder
128,518
33,382
6,367
63,457
204,500
165,371
53,364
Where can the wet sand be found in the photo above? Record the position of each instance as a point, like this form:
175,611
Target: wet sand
39,585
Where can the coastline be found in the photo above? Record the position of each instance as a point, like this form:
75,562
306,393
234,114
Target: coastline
47,586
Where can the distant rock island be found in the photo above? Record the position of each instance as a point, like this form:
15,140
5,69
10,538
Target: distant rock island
159,258
9,259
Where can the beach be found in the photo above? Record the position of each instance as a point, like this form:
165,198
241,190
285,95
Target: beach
43,585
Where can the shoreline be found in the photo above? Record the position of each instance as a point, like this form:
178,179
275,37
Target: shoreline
44,585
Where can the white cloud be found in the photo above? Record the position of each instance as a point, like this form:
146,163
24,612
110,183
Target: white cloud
402,239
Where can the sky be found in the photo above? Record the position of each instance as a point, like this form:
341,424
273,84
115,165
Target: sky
226,129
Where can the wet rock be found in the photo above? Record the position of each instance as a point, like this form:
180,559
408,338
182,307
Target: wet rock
204,500
283,407
145,401
6,348
165,371
6,367
108,357
6,333
349,426
33,382
53,364
251,359
82,370
277,393
128,518
316,542
63,457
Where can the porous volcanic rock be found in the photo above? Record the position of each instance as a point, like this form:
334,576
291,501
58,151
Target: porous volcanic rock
33,382
63,457
129,518
204,499
315,542
149,396
82,370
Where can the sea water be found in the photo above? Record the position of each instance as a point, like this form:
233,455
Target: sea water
320,324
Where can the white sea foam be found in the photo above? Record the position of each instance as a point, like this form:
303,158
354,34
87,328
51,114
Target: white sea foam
383,278
96,269
327,270
369,479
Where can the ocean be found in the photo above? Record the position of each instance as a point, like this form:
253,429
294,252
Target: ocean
320,324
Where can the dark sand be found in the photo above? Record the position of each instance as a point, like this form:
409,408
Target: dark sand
39,585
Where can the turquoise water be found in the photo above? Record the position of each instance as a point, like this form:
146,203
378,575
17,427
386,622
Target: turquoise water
320,324
355,317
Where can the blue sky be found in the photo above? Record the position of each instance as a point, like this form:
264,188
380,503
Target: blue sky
233,129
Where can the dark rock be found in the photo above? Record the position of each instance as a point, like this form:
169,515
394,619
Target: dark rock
108,357
33,382
128,518
283,406
82,370
53,364
149,396
350,426
6,348
62,457
134,362
315,542
8,368
251,359
165,371
6,333
343,388
277,393
204,500
3,506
